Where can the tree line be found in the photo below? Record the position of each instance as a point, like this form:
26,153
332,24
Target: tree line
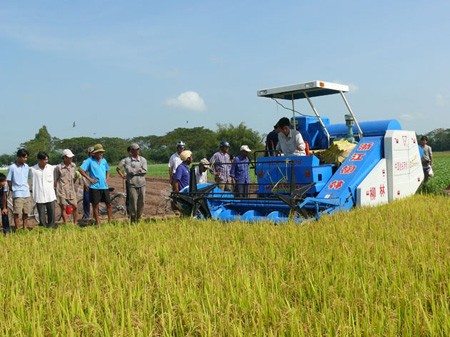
439,139
156,149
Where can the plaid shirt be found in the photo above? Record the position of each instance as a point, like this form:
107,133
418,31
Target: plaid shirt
220,162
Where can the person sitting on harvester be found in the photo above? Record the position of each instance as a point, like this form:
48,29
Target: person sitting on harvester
290,141
272,141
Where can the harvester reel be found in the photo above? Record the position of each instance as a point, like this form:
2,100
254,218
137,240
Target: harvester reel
195,198
294,199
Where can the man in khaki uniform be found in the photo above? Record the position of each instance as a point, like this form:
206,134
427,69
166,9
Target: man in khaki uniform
135,167
65,177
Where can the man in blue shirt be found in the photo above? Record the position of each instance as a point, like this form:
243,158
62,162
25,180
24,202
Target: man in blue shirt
18,183
239,172
181,176
96,170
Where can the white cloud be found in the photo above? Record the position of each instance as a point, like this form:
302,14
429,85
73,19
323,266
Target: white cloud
353,87
407,117
189,100
440,100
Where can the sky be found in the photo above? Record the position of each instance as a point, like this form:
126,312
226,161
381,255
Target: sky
124,69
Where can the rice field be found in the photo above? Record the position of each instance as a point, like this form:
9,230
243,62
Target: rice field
381,271
371,272
441,179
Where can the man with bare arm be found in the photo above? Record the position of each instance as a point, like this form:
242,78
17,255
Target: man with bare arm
96,170
18,183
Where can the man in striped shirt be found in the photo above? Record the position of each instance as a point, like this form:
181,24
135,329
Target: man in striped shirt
220,167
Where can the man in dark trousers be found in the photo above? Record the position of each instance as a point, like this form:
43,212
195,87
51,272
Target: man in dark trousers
135,167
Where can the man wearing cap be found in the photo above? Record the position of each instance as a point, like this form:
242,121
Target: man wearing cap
290,141
96,170
182,175
175,160
220,167
272,141
201,171
239,172
65,177
134,168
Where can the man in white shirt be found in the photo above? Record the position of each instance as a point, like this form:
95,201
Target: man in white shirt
175,160
290,141
427,158
201,171
43,186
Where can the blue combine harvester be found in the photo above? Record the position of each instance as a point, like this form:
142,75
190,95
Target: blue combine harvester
384,165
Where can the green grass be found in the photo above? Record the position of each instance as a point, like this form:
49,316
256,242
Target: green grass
162,171
379,271
441,179
154,170
158,170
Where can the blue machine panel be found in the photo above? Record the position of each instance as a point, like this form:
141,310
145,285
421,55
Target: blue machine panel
369,129
353,170
312,132
274,173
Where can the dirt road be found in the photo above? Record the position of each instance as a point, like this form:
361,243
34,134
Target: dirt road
156,196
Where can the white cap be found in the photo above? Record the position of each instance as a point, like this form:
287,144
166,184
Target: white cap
205,163
245,148
134,146
68,153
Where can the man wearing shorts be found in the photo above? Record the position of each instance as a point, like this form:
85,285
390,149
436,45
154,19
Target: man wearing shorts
18,183
96,170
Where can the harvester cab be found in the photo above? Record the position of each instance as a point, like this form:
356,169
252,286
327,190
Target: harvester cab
380,163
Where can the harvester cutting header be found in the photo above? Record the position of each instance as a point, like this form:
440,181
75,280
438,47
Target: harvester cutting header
383,164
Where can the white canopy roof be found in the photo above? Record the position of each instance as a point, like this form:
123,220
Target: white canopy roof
297,91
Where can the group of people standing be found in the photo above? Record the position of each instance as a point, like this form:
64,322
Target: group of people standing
51,186
55,186
133,169
230,173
